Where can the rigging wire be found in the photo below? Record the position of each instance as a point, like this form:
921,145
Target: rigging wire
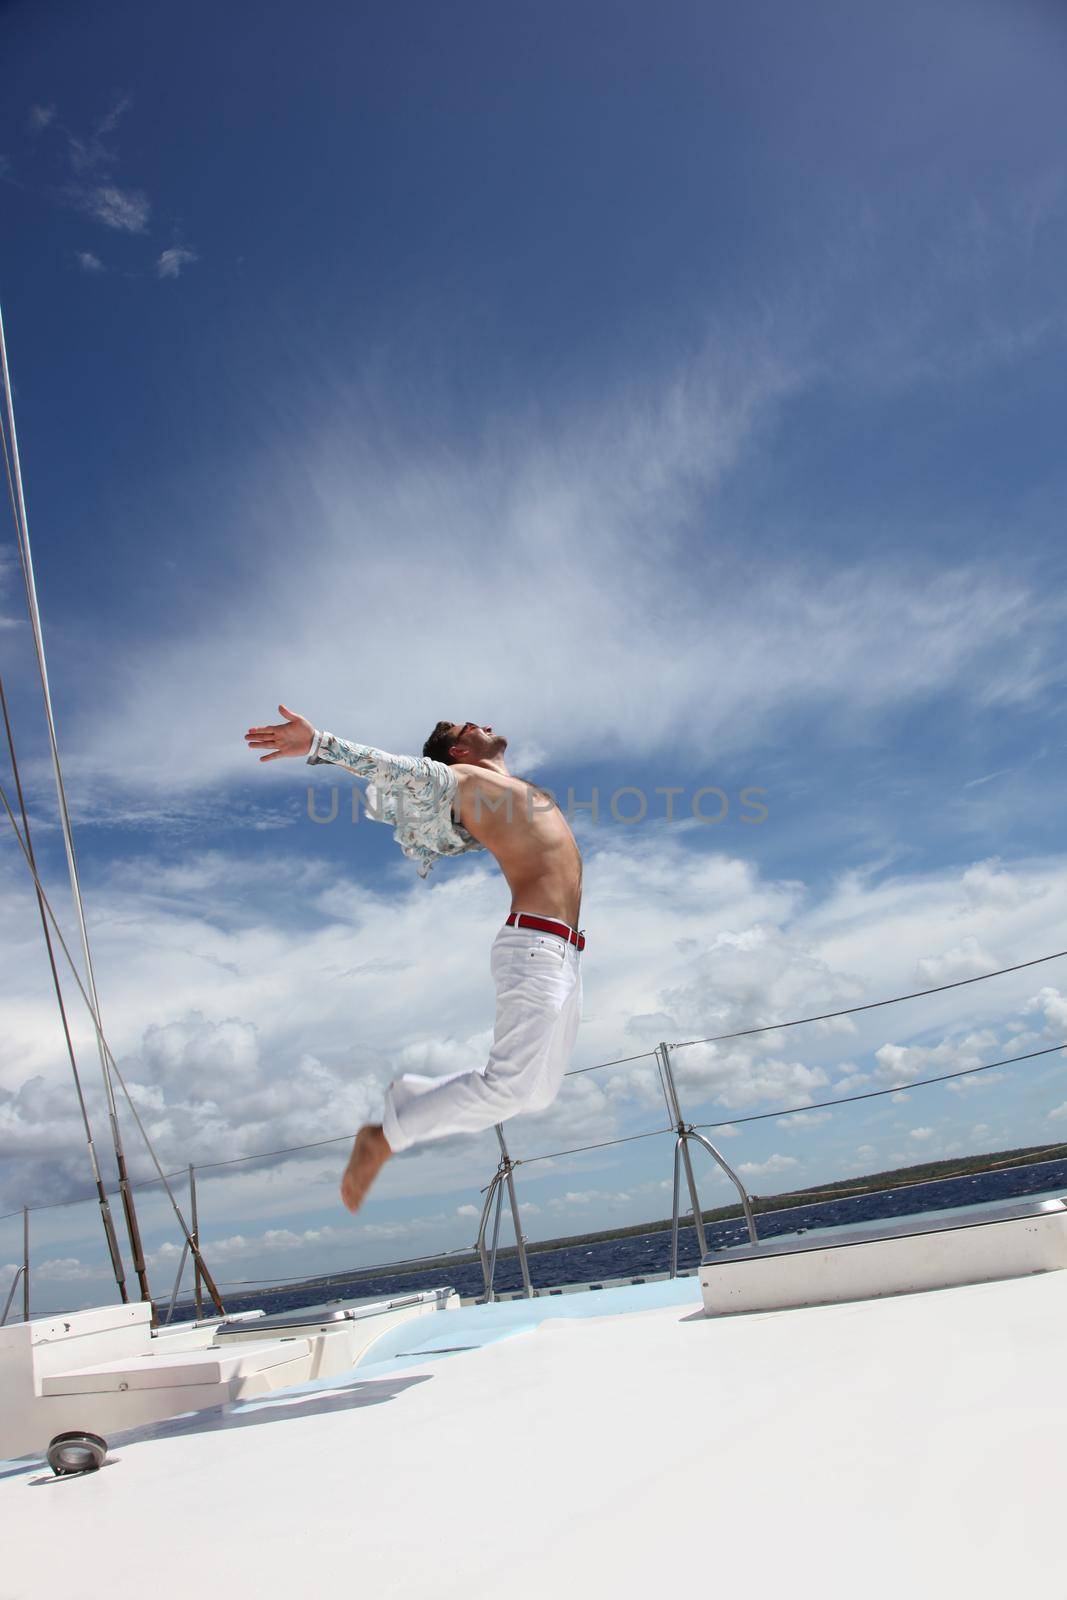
871,1005
23,538
101,1193
599,1065
83,1199
106,1054
602,1144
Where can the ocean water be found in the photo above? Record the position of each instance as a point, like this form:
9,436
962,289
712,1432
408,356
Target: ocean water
650,1252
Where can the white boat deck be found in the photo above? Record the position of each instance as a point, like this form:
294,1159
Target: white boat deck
620,1443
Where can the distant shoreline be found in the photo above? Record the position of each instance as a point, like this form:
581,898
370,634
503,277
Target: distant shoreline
896,1178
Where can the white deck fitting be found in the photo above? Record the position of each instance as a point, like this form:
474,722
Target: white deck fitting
927,1252
106,1371
900,1446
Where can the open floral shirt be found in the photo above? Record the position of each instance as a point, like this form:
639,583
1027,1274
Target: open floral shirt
412,793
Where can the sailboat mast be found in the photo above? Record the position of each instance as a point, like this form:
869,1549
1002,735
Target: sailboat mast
129,1210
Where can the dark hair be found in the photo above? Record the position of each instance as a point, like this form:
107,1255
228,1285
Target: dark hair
440,742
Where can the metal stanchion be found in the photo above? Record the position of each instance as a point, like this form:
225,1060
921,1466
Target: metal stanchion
177,1283
685,1132
194,1222
502,1176
21,1271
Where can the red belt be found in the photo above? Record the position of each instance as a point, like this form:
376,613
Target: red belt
563,930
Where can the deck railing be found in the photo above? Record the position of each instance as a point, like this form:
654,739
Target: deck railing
685,1133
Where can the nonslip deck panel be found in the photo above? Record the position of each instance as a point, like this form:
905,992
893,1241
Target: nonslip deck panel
904,1227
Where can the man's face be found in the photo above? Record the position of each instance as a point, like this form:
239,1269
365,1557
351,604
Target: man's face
474,741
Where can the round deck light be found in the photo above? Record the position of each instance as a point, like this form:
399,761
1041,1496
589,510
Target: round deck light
70,1453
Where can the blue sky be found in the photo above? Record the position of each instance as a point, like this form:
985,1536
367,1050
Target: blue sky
678,391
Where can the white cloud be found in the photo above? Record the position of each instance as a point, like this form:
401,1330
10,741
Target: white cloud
965,960
851,1082
991,883
921,1134
125,210
903,1063
746,1075
615,498
41,117
9,577
173,260
115,112
804,1119
581,1199
976,783
979,1084
64,1269
237,1246
89,262
287,1006
404,1228
1052,1005
772,1167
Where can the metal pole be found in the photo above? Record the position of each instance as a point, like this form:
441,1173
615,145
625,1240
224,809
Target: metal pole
177,1282
496,1235
11,1294
682,1149
483,1255
25,1263
674,1215
746,1203
22,527
690,1178
669,1089
520,1242
194,1222
686,1131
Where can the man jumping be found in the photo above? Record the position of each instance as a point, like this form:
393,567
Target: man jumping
460,796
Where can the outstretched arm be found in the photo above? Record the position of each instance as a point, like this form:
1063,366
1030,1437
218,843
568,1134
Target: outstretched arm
296,737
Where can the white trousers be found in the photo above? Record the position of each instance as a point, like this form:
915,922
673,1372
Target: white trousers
538,979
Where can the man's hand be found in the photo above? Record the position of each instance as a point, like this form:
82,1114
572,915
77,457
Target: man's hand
289,738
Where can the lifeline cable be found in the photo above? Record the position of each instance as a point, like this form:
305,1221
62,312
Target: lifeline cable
894,1088
871,1005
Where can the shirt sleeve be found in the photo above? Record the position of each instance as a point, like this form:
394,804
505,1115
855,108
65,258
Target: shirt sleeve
410,772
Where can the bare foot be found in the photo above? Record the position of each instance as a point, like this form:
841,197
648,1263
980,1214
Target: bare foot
369,1154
